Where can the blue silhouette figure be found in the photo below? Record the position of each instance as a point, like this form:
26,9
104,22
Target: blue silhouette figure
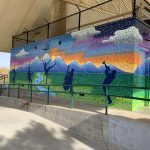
14,75
68,80
29,76
45,64
46,68
110,76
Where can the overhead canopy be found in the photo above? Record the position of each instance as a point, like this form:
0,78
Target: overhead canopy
17,16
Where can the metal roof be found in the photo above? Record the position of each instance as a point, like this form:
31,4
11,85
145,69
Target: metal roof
18,15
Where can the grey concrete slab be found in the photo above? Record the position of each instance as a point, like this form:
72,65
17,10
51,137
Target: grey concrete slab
20,130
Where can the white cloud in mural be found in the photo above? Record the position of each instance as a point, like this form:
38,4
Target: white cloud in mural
84,33
21,53
129,35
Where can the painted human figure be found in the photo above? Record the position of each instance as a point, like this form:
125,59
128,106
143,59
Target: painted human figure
29,76
110,76
46,68
45,64
68,80
14,75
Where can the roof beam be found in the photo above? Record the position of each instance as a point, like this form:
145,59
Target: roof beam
107,10
73,2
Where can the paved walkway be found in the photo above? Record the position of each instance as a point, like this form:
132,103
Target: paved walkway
21,130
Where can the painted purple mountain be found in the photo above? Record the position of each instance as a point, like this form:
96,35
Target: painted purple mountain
36,65
22,69
61,66
144,68
46,58
89,67
102,69
74,65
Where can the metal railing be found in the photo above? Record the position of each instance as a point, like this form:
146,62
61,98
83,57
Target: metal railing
32,88
73,22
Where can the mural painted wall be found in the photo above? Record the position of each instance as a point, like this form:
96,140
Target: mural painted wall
124,46
143,69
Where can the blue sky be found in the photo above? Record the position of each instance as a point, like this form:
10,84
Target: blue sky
4,60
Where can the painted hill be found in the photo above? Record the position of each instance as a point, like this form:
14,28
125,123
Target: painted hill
102,69
60,66
89,67
46,57
36,66
74,65
144,68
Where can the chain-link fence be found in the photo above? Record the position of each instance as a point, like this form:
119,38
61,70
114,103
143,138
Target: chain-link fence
99,14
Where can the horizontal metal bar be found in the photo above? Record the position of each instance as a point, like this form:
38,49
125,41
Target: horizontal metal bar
102,20
90,85
147,2
85,93
16,38
130,97
143,23
147,9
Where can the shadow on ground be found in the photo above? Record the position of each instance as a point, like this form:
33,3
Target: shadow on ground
39,137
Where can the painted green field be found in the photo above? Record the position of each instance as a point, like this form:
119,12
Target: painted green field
58,78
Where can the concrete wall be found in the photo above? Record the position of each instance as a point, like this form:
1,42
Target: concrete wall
117,133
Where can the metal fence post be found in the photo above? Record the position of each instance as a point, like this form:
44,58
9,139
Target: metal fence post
134,8
18,90
8,90
13,38
48,31
79,21
31,93
48,96
0,89
27,37
106,102
4,79
72,99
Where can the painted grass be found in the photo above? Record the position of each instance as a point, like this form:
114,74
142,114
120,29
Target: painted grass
139,104
121,79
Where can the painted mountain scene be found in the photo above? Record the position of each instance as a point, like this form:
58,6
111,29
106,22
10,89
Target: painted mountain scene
122,46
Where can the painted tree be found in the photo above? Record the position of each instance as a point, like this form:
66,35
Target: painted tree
47,68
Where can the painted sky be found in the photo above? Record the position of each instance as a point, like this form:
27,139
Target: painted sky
127,62
117,43
4,60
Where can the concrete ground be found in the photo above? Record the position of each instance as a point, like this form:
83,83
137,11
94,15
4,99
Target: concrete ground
21,130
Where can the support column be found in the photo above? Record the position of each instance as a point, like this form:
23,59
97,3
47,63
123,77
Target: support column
134,8
58,11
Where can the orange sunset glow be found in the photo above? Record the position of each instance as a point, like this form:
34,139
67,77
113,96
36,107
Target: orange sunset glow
125,61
